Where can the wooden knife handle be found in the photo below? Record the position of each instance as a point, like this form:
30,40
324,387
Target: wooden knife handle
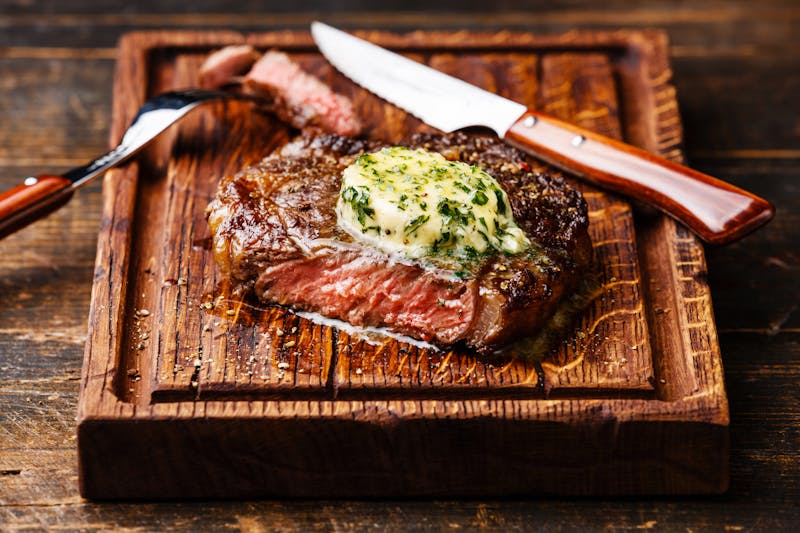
716,211
34,199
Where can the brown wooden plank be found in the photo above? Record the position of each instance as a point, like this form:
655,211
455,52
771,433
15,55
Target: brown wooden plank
737,55
176,358
650,434
754,281
58,129
735,25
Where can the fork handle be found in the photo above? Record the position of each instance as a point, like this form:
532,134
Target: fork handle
35,198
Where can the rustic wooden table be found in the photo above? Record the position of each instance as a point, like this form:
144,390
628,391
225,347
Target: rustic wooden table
737,73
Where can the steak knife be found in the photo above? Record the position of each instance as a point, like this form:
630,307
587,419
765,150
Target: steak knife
716,211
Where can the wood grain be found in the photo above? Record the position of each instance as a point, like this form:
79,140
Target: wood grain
735,77
168,360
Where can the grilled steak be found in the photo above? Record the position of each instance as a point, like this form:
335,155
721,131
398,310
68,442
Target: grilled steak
301,99
275,231
223,66
296,96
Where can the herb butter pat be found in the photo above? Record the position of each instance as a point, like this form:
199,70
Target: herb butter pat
417,203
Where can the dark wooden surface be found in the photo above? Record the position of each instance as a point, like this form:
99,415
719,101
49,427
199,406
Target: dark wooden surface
737,75
191,379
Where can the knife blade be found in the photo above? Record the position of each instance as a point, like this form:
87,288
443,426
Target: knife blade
716,211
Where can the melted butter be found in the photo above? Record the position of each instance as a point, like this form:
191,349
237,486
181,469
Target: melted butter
417,203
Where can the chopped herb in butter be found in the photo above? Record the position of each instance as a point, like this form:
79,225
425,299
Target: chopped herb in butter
417,203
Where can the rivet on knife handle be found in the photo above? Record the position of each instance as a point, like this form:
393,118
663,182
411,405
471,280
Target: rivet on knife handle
35,198
716,211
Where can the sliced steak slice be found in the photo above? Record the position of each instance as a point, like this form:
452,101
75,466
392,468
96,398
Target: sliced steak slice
301,99
274,231
223,66
293,94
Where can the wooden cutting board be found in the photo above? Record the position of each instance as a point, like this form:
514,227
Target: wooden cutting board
187,393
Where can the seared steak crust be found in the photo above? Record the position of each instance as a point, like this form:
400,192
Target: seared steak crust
274,231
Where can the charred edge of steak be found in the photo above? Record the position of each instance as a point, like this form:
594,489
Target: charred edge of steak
257,210
553,330
545,206
268,222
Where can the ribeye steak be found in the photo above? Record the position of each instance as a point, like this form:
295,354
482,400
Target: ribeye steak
275,232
